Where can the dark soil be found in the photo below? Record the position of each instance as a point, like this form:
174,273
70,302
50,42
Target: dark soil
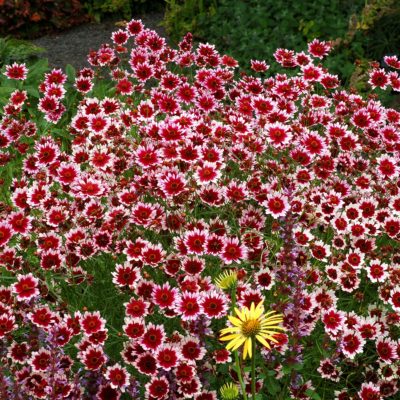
73,46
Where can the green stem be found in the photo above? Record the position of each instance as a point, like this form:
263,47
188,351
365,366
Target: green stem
253,368
239,373
237,360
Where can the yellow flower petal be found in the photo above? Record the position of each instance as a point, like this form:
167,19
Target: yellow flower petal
246,349
229,337
249,346
263,341
239,314
235,321
269,337
238,342
229,330
258,311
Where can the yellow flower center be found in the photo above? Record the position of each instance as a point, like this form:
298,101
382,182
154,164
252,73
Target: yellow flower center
251,327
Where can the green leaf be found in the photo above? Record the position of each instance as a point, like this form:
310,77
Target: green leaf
37,70
5,91
61,133
312,394
272,386
298,367
71,72
32,91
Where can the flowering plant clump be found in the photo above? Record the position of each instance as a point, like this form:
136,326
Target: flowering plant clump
149,196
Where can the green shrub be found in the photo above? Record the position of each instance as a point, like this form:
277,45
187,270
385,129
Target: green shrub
253,29
182,16
17,50
98,9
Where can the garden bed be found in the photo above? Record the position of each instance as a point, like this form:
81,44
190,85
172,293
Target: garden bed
174,228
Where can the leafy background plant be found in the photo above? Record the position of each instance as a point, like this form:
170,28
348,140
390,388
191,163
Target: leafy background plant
12,49
253,29
100,9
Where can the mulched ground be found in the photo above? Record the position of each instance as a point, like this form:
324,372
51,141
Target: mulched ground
73,46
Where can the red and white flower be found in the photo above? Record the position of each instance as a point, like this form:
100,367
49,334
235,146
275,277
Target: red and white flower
88,187
233,251
92,357
193,265
195,241
92,322
164,296
147,155
259,65
394,299
136,308
378,78
18,352
265,278
20,223
41,360
276,205
187,306
320,250
387,166
392,61
222,356
6,231
356,259
42,317
27,287
7,324
184,372
67,173
125,275
191,350
328,370
369,391
352,343
153,254
16,71
278,134
118,377
134,328
146,364
46,153
56,216
392,226
319,49
172,183
333,320
214,304
167,357
157,388
368,327
207,173
153,337
377,271
386,349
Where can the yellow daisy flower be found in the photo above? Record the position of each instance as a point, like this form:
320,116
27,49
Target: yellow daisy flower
251,324
226,280
229,391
